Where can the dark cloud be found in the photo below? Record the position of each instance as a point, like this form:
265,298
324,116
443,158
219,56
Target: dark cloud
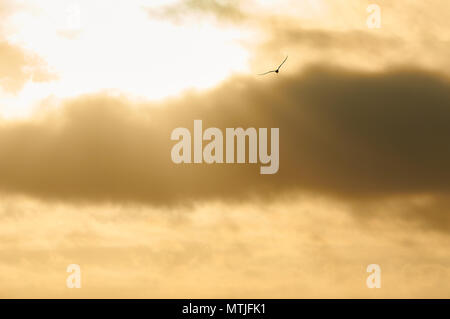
344,134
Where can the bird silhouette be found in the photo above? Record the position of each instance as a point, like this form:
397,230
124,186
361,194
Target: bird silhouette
277,70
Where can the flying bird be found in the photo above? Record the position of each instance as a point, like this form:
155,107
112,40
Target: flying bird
277,70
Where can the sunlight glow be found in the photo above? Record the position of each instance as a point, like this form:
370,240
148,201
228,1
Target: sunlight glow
92,46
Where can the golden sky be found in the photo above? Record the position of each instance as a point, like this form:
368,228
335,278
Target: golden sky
90,92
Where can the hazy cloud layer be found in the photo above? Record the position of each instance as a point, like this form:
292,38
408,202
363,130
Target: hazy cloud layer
328,31
288,249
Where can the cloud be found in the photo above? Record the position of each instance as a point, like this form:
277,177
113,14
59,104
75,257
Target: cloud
18,66
225,10
290,34
288,249
364,172
350,47
427,212
345,134
337,32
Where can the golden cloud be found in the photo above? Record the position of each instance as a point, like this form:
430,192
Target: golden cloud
342,133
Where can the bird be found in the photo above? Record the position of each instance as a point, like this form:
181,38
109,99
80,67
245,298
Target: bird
277,70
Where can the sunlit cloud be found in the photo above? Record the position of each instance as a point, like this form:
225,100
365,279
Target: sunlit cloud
119,47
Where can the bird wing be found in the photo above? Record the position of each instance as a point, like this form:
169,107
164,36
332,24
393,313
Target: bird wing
283,62
267,72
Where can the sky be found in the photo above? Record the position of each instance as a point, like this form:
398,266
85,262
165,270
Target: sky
90,92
